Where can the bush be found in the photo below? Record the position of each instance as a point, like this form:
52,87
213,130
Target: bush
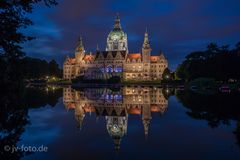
203,82
78,79
114,79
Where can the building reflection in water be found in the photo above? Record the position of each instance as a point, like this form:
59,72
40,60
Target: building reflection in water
115,105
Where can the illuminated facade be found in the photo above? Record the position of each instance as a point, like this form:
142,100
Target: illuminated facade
116,60
116,106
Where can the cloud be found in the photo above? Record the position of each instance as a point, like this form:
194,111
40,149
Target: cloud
177,27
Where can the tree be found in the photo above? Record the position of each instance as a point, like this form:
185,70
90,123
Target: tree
53,68
114,79
218,63
238,46
213,47
225,48
12,19
167,74
237,132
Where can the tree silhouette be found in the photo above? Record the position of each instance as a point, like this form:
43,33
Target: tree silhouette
225,48
167,74
54,68
213,47
13,17
14,115
218,63
238,46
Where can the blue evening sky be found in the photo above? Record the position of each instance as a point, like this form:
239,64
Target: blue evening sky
175,27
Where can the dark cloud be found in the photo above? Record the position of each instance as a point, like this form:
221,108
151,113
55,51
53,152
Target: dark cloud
176,27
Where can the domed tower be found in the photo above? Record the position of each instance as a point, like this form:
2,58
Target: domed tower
146,49
80,51
117,39
117,128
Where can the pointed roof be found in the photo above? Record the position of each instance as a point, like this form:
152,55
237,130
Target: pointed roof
146,124
134,55
97,49
154,58
146,43
162,56
117,24
70,61
89,57
80,46
117,142
114,53
79,118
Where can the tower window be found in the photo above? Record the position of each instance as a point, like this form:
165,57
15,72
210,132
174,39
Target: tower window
115,45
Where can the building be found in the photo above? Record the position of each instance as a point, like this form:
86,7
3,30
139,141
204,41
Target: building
116,60
116,106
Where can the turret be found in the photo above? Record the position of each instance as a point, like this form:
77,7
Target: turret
80,51
79,115
117,24
146,124
146,118
146,49
97,49
117,141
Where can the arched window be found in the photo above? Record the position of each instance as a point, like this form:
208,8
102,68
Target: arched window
109,68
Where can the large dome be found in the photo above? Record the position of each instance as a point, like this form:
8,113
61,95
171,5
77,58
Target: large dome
116,126
117,39
116,34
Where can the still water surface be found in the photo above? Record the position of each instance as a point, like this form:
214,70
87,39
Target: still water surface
132,122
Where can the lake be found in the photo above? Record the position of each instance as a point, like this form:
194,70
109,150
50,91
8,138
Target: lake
131,122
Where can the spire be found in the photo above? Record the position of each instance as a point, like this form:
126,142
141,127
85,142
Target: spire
146,124
79,116
80,41
79,119
97,118
117,24
97,48
80,46
146,43
117,142
118,17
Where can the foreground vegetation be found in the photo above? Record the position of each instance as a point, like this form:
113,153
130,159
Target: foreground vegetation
218,63
13,18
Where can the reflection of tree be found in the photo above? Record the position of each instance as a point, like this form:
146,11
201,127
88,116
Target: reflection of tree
13,118
14,115
35,97
167,92
216,109
237,133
